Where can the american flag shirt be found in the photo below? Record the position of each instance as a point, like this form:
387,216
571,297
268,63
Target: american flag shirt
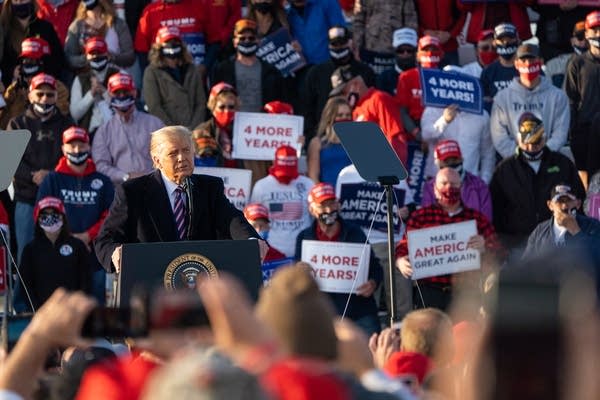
288,209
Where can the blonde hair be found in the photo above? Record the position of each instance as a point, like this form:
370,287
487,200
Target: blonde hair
159,137
156,59
108,12
325,130
212,101
424,331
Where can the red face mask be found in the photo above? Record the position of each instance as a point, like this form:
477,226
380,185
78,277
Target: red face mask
224,117
449,196
531,71
429,59
487,57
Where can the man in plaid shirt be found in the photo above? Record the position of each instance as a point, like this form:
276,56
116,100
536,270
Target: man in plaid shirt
437,291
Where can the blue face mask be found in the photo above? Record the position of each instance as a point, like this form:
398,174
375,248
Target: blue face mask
264,235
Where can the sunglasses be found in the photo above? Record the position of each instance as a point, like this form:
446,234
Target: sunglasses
49,95
226,107
580,36
246,38
405,51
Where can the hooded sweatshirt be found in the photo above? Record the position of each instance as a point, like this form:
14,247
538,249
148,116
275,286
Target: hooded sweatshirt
547,102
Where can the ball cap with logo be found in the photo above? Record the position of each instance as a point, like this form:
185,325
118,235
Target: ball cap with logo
167,33
285,164
427,41
592,20
505,29
42,79
254,211
562,190
321,192
279,107
528,50
244,24
340,77
34,47
95,45
75,133
404,36
531,128
446,149
120,81
48,202
338,35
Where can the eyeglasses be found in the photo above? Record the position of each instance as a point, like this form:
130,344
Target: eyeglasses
49,95
226,107
247,38
405,51
485,47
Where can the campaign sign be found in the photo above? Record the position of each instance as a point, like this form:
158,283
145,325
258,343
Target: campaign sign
416,170
442,250
359,205
256,136
442,88
337,267
379,62
277,50
237,183
196,45
269,268
594,206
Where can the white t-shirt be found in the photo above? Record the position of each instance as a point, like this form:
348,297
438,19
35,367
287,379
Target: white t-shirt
288,209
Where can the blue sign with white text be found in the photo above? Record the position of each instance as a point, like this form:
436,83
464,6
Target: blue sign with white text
416,170
196,45
442,88
277,50
269,267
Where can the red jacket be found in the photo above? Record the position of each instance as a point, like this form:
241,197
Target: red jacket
60,17
441,15
409,93
222,15
379,107
518,17
186,15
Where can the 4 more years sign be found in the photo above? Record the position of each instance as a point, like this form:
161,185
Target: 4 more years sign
442,250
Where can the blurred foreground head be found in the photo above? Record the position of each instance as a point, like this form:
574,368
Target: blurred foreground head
299,314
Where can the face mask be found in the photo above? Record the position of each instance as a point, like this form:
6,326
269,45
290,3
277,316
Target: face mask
328,218
506,52
532,155
594,41
99,63
224,117
264,235
405,63
247,49
352,99
90,4
172,52
30,69
579,49
43,109
449,196
530,72
78,158
123,103
22,10
263,8
51,223
487,57
340,56
429,59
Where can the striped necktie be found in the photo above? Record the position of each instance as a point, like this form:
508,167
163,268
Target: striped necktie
180,213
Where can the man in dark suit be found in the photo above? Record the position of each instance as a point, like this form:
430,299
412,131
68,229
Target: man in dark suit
170,204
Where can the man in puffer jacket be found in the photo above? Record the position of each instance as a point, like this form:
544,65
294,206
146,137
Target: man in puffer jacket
533,93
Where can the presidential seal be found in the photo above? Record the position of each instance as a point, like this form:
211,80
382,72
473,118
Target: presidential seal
182,272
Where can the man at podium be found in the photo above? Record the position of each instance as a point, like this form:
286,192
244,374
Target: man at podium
170,204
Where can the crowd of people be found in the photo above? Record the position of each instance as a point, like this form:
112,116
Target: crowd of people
121,106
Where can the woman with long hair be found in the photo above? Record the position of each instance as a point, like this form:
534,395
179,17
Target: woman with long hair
173,87
326,156
53,259
97,18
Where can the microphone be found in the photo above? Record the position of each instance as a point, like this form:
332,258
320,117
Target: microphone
188,191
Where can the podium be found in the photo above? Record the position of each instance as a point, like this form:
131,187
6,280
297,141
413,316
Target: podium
178,265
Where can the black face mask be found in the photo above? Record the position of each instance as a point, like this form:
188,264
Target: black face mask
506,51
263,8
580,49
22,10
122,103
78,158
30,69
340,56
90,4
99,63
247,49
172,52
406,63
328,218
